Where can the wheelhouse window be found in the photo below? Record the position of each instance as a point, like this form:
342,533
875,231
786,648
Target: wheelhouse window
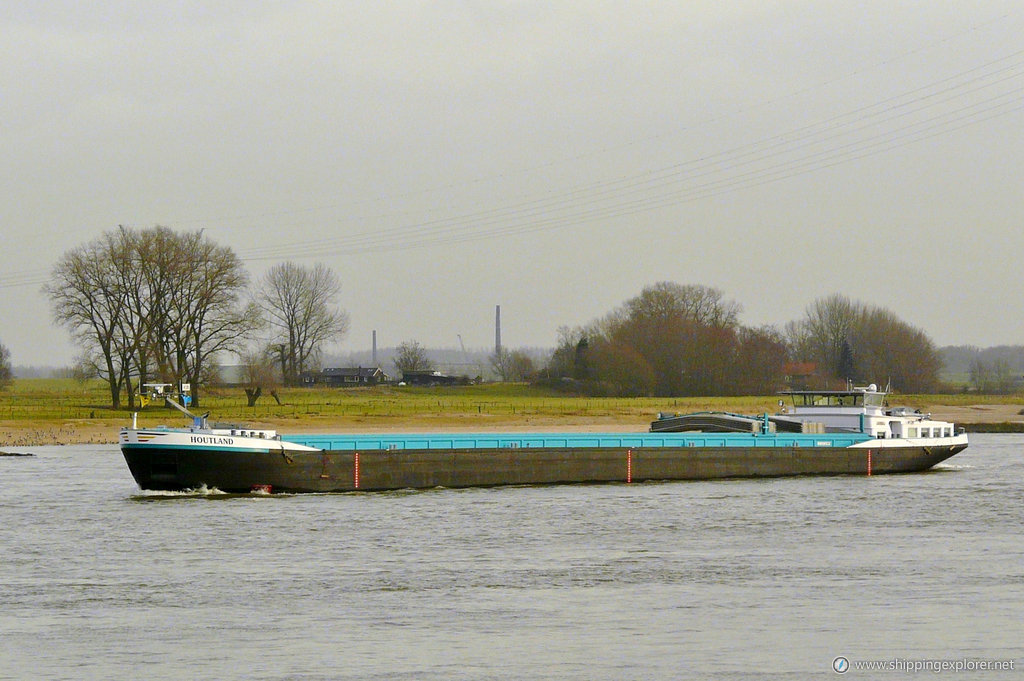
874,399
830,400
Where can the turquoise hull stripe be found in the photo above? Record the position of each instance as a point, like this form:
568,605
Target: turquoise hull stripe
572,440
219,448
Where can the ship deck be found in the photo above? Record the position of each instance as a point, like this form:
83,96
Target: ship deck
367,442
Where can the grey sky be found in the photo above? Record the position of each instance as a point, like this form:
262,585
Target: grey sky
447,156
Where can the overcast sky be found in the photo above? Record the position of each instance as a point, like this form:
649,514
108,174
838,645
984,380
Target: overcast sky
444,157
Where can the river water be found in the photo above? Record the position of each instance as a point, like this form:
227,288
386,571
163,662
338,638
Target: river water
759,579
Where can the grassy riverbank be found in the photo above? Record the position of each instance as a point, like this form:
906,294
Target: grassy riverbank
56,411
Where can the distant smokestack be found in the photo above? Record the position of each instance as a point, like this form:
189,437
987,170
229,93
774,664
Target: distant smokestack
497,329
375,348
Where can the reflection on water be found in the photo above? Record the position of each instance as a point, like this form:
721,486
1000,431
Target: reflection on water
753,578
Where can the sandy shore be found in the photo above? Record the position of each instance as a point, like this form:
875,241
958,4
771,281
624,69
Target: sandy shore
67,433
979,413
104,431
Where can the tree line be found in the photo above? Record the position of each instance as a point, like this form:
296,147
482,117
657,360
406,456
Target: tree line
998,369
6,374
155,305
674,339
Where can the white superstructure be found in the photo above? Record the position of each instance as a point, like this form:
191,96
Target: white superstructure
240,439
865,410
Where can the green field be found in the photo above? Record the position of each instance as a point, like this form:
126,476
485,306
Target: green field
42,401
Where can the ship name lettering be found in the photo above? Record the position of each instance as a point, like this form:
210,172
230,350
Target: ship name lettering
210,440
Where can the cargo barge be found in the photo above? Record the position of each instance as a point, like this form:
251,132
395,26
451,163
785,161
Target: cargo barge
847,432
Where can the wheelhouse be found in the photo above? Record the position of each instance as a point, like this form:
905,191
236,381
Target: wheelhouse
864,410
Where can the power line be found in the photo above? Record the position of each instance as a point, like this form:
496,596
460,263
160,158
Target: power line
773,159
868,130
605,149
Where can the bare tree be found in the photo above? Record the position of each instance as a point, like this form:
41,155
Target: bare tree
299,303
851,340
209,299
154,300
996,376
500,362
259,373
671,339
829,326
798,341
668,300
569,359
88,301
686,333
887,349
620,370
6,375
410,356
759,362
154,261
512,365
